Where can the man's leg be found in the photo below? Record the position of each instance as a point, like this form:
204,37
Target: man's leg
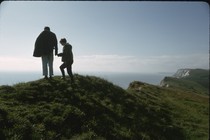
50,62
44,66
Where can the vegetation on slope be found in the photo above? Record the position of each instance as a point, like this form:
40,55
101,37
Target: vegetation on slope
199,76
196,82
94,108
187,110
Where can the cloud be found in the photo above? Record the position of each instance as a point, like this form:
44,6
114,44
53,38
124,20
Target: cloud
150,64
11,63
174,62
112,63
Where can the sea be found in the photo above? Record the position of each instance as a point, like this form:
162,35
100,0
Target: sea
120,79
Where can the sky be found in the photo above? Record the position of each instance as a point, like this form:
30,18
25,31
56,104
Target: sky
108,36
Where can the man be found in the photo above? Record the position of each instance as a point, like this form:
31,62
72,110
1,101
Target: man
67,59
45,43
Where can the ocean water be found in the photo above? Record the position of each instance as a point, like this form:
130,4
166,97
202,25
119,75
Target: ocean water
124,79
11,78
121,79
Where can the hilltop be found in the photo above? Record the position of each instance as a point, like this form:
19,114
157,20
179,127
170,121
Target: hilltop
192,80
94,108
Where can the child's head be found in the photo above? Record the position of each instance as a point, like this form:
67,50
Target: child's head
63,41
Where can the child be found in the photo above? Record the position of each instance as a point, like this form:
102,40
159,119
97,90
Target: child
67,59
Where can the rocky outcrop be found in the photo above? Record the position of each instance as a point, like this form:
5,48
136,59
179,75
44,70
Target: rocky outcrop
136,86
193,80
182,73
164,83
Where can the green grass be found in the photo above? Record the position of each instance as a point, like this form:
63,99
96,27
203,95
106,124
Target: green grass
94,108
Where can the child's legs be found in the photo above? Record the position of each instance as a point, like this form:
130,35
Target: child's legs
62,67
69,70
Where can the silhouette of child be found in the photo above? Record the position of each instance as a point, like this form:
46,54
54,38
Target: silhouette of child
67,59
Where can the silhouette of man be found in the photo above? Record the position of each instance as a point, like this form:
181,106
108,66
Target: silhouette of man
45,43
67,59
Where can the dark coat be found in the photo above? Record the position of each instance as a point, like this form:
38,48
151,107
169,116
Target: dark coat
67,55
45,43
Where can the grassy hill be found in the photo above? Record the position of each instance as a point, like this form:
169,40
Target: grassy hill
94,108
196,82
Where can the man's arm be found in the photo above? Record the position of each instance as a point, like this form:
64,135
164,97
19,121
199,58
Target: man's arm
55,44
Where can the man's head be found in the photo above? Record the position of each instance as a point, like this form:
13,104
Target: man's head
47,28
